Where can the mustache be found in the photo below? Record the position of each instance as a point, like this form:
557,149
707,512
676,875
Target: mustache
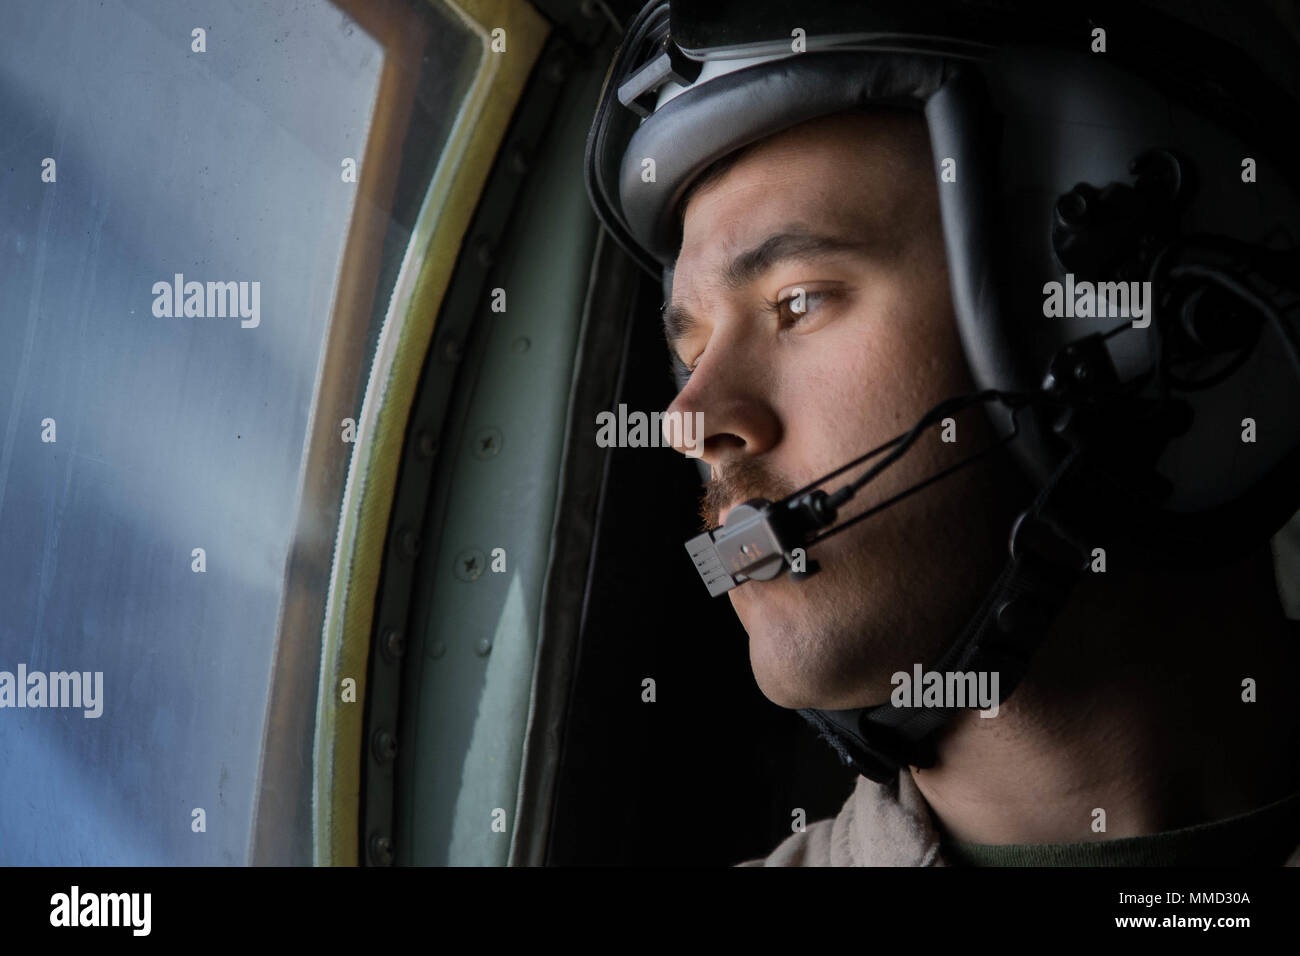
743,479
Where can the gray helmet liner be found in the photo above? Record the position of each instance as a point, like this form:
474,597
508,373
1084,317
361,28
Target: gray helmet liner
707,122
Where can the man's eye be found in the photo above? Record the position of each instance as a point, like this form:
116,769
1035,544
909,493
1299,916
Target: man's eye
795,307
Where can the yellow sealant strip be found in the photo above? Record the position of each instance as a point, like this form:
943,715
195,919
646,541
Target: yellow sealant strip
404,340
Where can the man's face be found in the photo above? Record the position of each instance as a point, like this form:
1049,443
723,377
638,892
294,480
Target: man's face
844,208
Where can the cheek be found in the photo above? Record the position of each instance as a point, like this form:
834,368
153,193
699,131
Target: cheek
851,386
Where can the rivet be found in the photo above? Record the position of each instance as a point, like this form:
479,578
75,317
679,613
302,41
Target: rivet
487,443
483,251
452,350
469,564
393,643
381,850
438,650
385,746
425,444
484,647
408,542
521,344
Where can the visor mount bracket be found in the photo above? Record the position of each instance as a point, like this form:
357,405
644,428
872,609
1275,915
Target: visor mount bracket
669,64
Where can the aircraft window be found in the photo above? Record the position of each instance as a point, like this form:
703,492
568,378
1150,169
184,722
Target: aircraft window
203,210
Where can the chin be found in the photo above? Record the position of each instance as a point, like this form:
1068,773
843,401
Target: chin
820,643
794,650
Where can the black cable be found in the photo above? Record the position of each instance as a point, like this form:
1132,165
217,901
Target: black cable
918,486
908,438
1014,401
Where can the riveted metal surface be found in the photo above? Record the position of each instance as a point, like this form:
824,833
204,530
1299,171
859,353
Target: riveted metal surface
465,342
466,710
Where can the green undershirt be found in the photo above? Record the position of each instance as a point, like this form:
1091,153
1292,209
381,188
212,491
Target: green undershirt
1263,837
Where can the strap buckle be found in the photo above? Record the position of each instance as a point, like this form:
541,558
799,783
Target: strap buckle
877,751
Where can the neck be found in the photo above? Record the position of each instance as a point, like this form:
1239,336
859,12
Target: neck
1133,705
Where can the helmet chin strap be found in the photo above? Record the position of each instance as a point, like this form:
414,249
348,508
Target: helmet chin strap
1046,559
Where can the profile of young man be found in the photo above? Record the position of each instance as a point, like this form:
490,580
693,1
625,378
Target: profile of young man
810,303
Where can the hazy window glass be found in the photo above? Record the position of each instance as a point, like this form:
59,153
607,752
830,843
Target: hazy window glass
143,418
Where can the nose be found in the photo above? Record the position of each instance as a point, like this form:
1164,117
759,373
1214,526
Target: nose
726,406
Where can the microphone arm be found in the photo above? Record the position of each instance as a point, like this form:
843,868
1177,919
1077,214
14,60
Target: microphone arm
761,538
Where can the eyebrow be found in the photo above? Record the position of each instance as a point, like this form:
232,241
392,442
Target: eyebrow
752,263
